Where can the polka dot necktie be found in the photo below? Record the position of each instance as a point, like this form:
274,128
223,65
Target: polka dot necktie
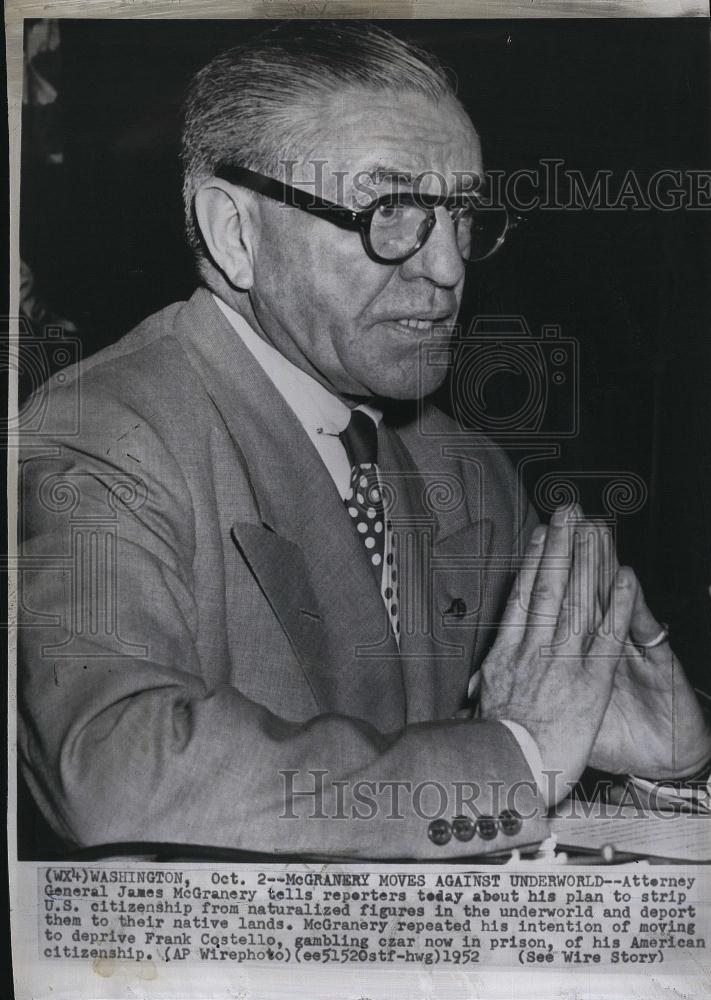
364,503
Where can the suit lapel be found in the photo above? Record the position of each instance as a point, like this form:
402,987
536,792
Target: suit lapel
279,568
303,551
443,548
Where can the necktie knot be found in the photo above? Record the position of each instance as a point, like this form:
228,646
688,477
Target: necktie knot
360,439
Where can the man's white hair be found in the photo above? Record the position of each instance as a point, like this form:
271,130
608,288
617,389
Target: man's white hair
261,103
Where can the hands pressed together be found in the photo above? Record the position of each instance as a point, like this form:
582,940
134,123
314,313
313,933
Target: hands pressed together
569,664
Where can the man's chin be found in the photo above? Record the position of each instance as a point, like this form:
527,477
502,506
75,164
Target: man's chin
409,387
402,378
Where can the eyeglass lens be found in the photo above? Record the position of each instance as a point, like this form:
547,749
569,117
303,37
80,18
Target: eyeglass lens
397,229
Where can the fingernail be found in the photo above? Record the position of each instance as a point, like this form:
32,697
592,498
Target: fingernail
622,579
561,516
538,535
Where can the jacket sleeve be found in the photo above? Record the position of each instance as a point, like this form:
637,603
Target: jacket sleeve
121,739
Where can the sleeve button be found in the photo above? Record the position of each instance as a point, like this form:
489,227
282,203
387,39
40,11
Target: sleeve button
510,823
439,832
463,827
486,827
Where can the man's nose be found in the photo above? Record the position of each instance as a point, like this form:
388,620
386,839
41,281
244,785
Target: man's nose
439,259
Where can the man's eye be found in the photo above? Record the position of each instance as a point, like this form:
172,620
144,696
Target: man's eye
462,212
389,213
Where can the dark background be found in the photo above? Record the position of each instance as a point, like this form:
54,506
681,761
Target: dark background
103,234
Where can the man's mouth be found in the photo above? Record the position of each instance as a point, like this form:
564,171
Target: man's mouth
420,323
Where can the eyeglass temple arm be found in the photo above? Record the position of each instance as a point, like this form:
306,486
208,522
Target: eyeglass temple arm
288,195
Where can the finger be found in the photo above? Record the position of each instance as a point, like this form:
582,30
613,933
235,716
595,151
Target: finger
608,565
644,627
551,581
589,600
588,559
612,636
580,613
597,611
516,612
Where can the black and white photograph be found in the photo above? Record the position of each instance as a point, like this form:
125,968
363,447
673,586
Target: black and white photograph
360,483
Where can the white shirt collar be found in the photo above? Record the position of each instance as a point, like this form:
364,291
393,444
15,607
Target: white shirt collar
312,403
320,412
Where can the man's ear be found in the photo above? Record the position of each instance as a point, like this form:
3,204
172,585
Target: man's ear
226,226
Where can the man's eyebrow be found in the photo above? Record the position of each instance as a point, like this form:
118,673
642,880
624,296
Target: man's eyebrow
465,180
380,174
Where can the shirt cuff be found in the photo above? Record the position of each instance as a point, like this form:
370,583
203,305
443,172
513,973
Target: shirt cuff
529,749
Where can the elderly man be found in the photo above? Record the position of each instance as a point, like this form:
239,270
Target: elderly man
270,624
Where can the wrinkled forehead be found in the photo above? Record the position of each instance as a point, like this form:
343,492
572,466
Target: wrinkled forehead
394,139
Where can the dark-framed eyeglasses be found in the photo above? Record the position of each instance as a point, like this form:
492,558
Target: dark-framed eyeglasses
396,225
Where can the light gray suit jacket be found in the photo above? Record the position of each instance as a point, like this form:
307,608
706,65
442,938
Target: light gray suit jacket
201,621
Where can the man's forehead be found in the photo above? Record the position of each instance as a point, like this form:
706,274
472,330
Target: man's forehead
397,137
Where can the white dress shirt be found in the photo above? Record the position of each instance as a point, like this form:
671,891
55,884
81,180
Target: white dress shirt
324,416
